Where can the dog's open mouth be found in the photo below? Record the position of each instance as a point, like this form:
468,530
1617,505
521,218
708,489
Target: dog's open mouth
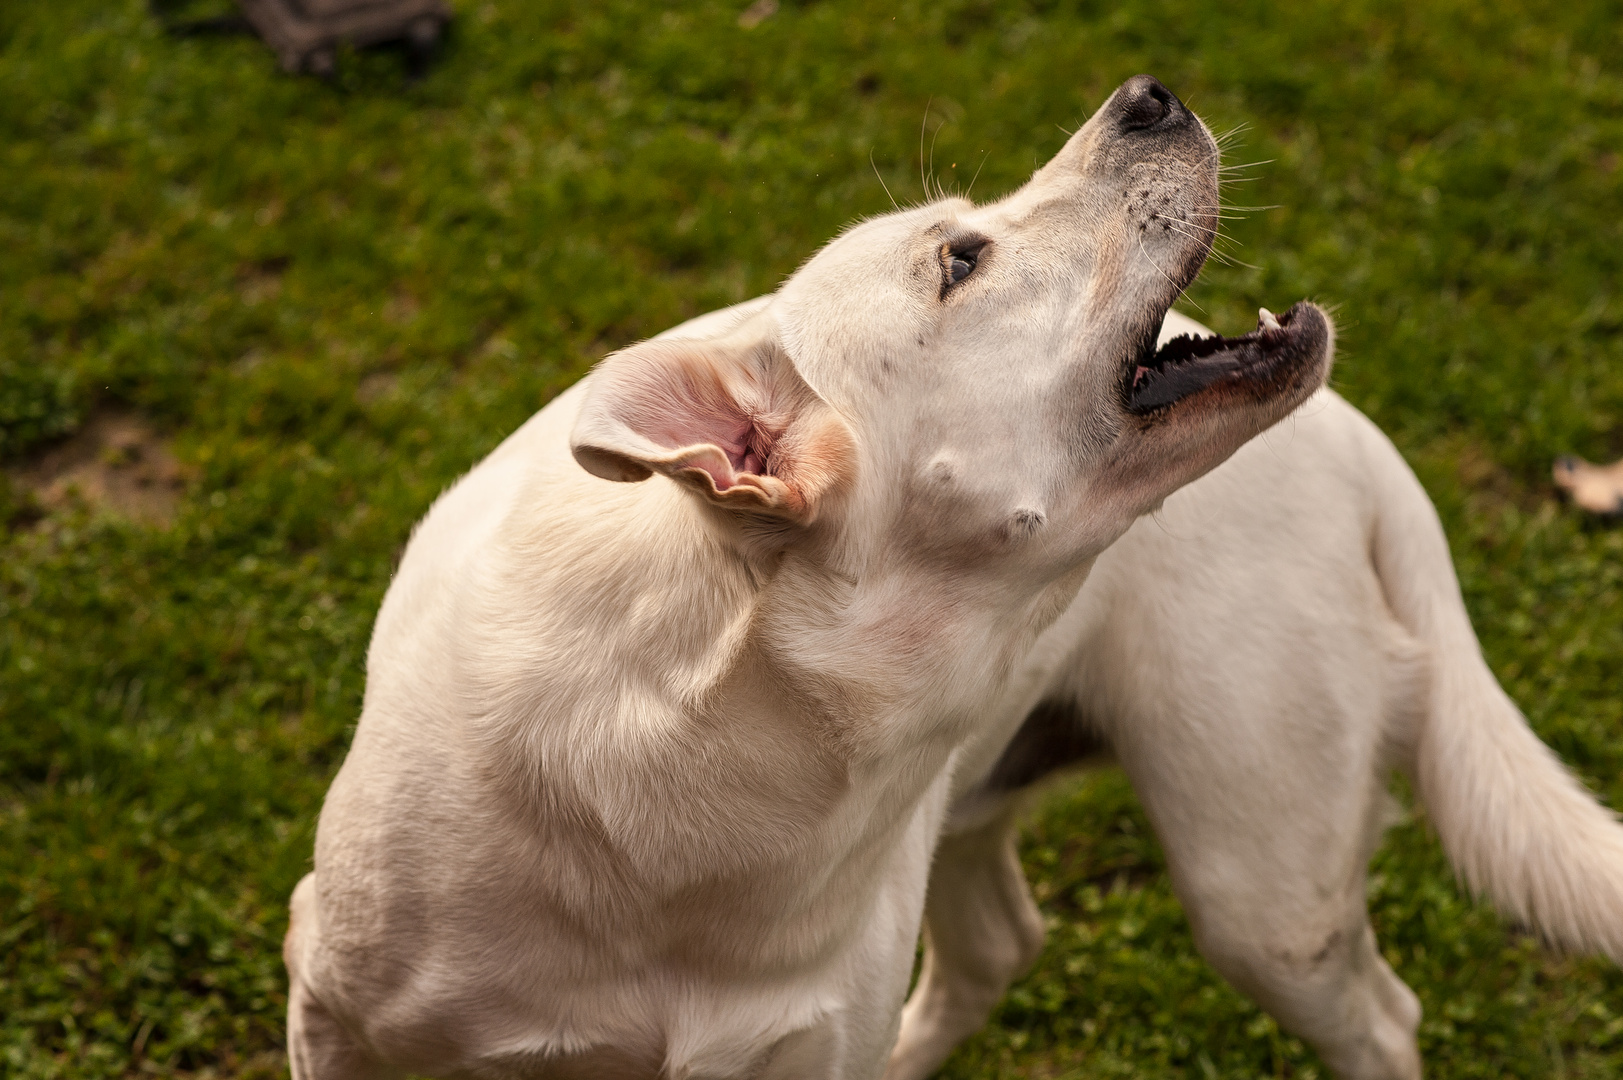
1257,364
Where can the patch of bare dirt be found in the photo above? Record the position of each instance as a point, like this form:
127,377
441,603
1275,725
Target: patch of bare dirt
402,307
376,386
114,463
258,282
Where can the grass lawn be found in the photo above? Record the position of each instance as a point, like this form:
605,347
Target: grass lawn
259,322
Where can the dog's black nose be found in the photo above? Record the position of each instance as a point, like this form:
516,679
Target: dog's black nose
1143,103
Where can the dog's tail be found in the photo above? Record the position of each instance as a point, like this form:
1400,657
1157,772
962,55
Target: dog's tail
1516,824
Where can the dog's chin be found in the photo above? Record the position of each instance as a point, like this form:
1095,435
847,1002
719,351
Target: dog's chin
1282,360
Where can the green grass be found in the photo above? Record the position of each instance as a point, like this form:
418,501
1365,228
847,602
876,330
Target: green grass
336,298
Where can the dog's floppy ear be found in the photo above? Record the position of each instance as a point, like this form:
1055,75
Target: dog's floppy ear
730,418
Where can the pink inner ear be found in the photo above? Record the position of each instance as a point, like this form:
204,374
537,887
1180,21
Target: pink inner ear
742,454
693,406
735,414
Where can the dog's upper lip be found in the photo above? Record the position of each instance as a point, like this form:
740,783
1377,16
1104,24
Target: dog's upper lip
1159,378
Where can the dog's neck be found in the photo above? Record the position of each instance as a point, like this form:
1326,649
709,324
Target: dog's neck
712,710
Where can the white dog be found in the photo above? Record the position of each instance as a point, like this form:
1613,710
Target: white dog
649,775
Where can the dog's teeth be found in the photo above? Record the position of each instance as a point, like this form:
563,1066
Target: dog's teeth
1266,320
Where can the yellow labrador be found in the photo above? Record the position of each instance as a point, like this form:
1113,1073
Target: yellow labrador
676,696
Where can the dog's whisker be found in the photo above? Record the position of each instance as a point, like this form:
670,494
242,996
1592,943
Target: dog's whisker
1170,280
1229,208
1220,258
1215,232
941,192
925,119
1213,251
1196,237
1215,237
1229,260
1188,228
882,183
977,175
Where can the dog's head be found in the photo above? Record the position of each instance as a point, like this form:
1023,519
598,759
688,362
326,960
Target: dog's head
975,385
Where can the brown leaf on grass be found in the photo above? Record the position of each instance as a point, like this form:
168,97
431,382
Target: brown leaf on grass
1596,488
757,13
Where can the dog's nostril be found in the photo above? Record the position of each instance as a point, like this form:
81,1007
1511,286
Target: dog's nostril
1145,102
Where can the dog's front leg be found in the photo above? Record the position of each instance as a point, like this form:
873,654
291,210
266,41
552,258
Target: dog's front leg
982,931
320,1049
318,1046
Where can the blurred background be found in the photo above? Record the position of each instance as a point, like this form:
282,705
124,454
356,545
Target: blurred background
251,324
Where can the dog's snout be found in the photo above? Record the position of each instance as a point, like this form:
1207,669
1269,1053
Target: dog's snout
1144,103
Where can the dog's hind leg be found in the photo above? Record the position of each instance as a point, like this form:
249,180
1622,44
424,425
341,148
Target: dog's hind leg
982,931
1267,848
1323,979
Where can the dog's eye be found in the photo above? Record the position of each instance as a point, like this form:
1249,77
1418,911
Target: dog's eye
958,263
